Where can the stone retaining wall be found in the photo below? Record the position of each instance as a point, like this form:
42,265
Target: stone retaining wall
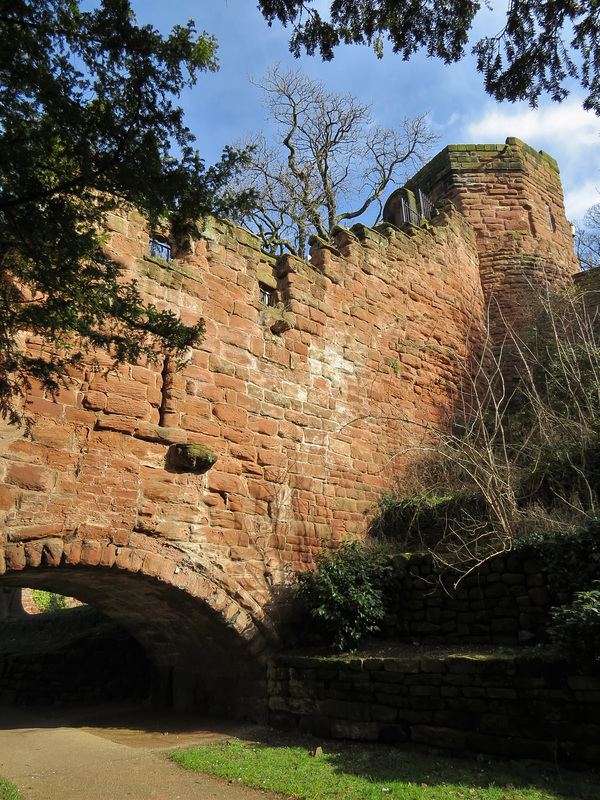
462,679
504,602
526,706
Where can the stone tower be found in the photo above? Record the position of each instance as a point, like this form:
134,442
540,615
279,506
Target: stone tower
512,196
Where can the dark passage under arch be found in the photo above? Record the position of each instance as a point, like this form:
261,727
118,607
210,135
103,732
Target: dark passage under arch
195,654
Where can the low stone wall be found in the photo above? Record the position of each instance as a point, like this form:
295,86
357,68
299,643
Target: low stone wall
525,706
504,602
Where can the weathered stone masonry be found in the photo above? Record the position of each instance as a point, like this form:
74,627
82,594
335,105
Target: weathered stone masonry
512,196
311,384
515,707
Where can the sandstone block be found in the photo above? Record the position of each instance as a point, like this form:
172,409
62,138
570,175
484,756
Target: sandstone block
95,400
230,415
266,427
30,476
15,557
91,553
159,491
72,552
224,482
33,553
127,407
8,497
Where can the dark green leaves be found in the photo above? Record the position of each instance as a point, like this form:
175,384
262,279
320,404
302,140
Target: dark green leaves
87,124
543,42
346,596
440,28
576,627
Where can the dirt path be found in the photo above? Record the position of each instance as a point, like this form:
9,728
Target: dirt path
108,755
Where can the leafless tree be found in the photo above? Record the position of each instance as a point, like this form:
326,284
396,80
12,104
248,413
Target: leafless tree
328,161
587,239
520,450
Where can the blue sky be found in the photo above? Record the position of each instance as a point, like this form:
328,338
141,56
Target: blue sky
224,106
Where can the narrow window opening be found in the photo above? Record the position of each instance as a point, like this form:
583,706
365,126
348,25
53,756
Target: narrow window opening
160,248
550,217
265,294
166,404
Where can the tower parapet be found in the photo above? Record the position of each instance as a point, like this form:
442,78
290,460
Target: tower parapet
512,196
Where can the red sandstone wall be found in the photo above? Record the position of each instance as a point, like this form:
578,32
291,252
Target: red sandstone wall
305,404
512,196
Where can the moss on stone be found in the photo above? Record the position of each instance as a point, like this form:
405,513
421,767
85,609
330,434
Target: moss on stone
194,457
267,278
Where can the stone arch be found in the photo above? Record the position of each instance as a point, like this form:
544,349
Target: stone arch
401,208
208,650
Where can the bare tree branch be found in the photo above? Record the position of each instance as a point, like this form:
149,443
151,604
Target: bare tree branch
520,450
328,162
587,239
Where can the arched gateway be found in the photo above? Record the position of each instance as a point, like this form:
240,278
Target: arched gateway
207,651
180,500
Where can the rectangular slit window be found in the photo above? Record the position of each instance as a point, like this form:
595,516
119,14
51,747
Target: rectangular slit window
160,248
550,218
265,294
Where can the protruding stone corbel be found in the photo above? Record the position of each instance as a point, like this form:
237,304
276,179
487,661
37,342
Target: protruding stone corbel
278,320
192,457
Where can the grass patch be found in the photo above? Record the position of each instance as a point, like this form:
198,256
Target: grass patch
8,791
365,772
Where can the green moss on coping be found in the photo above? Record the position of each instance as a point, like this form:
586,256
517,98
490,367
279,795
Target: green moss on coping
193,457
267,278
463,158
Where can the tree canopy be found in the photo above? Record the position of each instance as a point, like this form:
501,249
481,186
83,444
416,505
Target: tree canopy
587,239
326,163
88,123
542,44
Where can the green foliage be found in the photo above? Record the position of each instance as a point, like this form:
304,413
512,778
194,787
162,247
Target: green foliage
576,626
571,562
571,559
371,772
540,45
442,29
48,601
88,124
420,521
8,791
567,468
346,595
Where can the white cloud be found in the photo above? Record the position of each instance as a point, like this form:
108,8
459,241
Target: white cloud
579,200
566,123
